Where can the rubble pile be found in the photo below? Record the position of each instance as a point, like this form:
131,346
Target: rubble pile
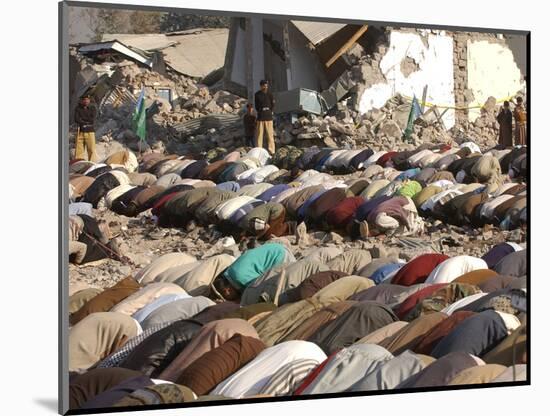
198,118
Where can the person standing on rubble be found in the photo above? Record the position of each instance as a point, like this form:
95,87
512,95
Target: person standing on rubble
249,121
504,119
520,116
85,116
264,103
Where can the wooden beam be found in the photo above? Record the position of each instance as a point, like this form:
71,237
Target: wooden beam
347,45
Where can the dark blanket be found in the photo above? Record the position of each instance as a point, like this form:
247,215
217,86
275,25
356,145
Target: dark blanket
88,385
514,264
475,335
496,254
99,188
358,321
109,397
157,351
193,170
440,331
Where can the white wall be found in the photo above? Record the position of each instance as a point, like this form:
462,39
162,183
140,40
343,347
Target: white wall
492,71
435,70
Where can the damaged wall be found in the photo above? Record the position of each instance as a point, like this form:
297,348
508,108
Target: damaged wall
492,71
427,60
306,70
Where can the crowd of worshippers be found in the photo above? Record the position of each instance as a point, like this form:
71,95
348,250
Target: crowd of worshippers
329,322
249,193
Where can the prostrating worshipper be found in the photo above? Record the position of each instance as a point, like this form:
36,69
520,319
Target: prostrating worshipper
351,261
285,319
418,269
150,272
358,321
439,331
287,378
344,368
384,293
478,375
441,298
157,394
513,264
78,299
176,310
198,280
253,377
85,387
211,368
273,284
157,351
266,221
454,267
476,277
97,336
441,371
394,213
145,295
216,312
105,300
461,303
111,396
511,350
408,337
311,325
142,314
248,267
411,300
390,373
381,334
475,335
311,285
209,337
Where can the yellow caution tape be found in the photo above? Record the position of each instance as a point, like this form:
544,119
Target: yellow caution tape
428,104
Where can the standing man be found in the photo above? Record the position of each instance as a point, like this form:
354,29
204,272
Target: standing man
249,121
504,119
85,115
264,103
520,116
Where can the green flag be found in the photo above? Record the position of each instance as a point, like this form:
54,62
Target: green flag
138,117
413,115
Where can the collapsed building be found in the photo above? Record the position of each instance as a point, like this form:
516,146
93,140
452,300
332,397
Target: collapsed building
335,84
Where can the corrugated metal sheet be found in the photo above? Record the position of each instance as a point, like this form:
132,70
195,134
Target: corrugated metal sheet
118,97
117,46
195,53
201,124
316,32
